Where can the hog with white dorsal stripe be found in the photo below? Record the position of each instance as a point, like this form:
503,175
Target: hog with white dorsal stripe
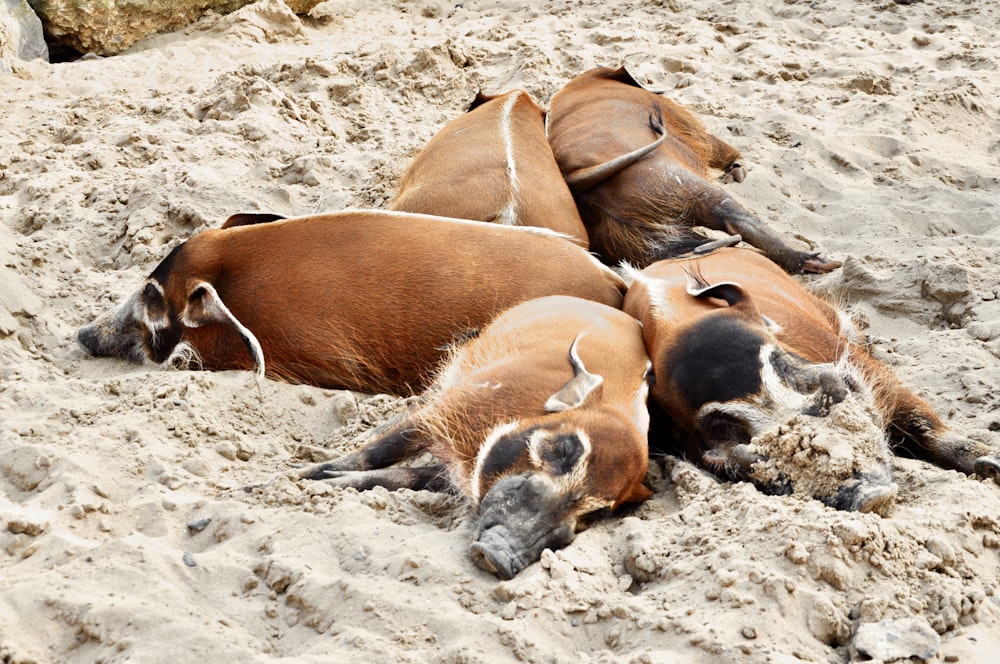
492,164
540,421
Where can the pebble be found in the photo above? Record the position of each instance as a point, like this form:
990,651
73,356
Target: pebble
902,638
198,525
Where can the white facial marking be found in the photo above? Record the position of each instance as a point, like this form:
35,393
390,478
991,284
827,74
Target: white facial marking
774,388
140,312
184,356
498,432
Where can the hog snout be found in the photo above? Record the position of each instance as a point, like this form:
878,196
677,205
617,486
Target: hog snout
115,334
493,552
520,517
871,491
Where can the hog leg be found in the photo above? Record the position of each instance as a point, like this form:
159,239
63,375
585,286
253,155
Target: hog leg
921,432
726,158
429,478
714,208
398,439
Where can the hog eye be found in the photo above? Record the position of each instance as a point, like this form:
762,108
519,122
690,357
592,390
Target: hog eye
562,452
151,294
504,455
726,428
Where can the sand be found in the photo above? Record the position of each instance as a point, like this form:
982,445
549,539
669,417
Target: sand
869,128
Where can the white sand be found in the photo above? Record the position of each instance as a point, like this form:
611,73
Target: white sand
870,128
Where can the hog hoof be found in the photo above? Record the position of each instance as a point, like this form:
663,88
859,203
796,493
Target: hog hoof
989,467
734,172
322,471
813,263
865,494
494,554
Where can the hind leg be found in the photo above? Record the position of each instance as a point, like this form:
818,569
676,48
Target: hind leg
725,214
917,429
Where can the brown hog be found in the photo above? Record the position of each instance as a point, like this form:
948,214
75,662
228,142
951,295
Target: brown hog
637,165
492,164
739,347
540,421
362,300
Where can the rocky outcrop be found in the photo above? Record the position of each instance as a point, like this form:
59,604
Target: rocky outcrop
111,26
20,35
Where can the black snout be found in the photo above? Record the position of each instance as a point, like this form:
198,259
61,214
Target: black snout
87,336
115,334
520,517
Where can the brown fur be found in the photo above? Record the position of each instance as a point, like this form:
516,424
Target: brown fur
644,211
463,171
363,300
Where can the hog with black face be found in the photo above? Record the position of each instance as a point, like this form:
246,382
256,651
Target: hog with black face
740,350
540,421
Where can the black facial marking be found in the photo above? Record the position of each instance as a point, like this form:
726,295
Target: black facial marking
561,453
718,359
160,345
505,453
162,270
153,303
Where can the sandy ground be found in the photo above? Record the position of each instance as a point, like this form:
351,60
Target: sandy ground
871,129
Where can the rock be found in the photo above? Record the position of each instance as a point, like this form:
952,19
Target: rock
110,27
890,640
21,35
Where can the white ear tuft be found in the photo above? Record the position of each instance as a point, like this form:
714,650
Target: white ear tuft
205,306
580,387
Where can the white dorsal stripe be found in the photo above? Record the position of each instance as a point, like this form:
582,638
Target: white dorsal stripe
509,215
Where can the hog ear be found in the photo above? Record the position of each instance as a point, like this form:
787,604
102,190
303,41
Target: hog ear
733,294
480,100
204,306
580,387
251,218
729,291
637,493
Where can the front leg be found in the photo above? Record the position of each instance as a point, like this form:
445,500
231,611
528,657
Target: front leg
400,438
429,478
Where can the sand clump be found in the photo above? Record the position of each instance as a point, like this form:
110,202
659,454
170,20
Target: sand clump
867,131
816,455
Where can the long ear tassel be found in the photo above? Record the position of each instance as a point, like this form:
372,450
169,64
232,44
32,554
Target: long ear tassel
698,286
579,388
213,309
